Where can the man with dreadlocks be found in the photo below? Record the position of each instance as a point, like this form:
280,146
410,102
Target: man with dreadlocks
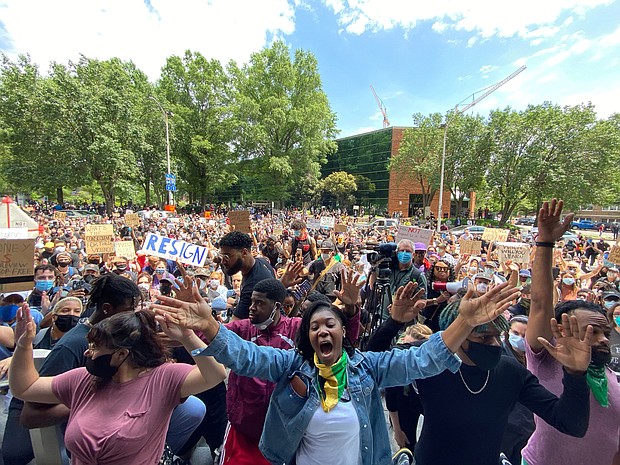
601,443
465,413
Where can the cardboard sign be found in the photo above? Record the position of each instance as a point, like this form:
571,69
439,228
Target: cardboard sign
494,234
414,234
132,220
241,220
614,255
327,222
313,223
172,249
125,249
208,214
515,251
341,228
13,233
60,215
17,265
99,238
277,232
470,247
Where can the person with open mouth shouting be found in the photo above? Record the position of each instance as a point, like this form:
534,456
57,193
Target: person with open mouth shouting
326,407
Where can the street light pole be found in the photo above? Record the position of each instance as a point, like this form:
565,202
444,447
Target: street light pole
489,90
166,114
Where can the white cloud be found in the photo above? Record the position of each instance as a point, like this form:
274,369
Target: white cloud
129,29
529,18
487,69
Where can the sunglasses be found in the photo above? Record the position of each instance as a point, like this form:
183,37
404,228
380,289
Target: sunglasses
441,268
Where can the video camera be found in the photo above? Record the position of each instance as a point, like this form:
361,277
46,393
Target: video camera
381,256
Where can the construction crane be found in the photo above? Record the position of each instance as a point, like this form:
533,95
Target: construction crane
386,122
486,92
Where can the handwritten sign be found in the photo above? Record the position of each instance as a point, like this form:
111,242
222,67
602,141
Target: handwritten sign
125,249
328,222
132,220
614,255
313,223
341,228
17,264
13,233
240,219
414,234
494,234
515,251
60,215
99,238
470,247
172,249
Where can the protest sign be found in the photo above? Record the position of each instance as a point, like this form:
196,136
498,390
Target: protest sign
99,238
414,234
277,232
517,252
240,219
340,228
614,255
172,249
16,266
60,215
208,214
125,249
13,233
132,220
328,222
494,234
313,223
470,247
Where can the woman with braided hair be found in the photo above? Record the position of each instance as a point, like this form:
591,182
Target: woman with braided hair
469,408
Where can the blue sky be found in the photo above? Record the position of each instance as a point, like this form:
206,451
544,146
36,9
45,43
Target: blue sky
419,56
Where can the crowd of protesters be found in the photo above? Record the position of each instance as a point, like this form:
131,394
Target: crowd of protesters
321,324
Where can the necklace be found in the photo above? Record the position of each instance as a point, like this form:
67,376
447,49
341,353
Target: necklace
479,390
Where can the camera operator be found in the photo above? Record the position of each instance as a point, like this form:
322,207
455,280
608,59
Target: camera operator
402,272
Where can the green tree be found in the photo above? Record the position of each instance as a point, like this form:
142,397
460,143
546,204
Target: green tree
341,186
419,156
286,126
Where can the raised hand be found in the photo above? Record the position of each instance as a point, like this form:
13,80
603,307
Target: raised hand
25,329
350,287
293,270
195,315
572,344
404,308
480,310
185,291
549,227
173,331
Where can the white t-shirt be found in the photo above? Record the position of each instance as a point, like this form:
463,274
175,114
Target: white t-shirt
331,438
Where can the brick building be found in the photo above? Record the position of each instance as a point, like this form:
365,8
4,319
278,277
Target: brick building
368,154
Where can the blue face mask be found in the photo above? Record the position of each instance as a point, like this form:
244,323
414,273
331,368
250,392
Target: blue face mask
609,304
568,281
43,285
517,342
404,257
8,312
617,320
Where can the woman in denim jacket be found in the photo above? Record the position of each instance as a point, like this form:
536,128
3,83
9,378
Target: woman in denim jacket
326,407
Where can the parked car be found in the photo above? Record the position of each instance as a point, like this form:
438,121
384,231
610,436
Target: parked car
525,221
567,236
584,224
383,223
476,230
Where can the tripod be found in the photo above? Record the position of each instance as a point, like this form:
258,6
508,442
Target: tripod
375,302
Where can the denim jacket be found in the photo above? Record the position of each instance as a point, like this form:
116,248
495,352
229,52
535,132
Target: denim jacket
289,413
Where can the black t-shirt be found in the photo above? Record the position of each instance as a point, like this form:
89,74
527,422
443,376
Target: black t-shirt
614,346
68,353
261,270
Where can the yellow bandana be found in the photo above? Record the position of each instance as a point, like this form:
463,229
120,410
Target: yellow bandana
332,381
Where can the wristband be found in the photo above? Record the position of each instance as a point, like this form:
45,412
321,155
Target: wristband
550,245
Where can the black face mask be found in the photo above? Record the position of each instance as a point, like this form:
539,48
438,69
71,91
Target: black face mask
600,358
100,366
165,289
65,322
63,263
484,356
89,278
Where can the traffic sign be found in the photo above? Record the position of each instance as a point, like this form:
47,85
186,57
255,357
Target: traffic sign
171,182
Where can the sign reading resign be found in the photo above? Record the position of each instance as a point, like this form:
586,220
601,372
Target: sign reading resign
494,234
515,251
172,249
414,234
99,238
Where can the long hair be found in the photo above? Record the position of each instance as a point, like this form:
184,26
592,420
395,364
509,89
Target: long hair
431,273
304,347
134,331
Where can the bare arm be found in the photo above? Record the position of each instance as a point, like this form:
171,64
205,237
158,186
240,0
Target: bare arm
7,337
543,287
35,415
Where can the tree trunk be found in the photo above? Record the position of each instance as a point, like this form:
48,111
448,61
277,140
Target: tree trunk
60,196
147,191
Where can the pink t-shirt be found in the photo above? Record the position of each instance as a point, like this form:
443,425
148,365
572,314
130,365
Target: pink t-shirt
119,424
547,446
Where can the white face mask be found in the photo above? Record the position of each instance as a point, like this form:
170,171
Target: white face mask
214,283
265,324
482,288
325,256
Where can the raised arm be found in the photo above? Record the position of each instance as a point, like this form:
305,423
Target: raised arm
550,229
24,381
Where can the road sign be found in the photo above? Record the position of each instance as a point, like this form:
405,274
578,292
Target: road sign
171,182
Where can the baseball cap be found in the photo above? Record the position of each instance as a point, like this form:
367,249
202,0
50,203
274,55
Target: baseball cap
525,273
328,244
419,246
91,267
218,304
606,295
